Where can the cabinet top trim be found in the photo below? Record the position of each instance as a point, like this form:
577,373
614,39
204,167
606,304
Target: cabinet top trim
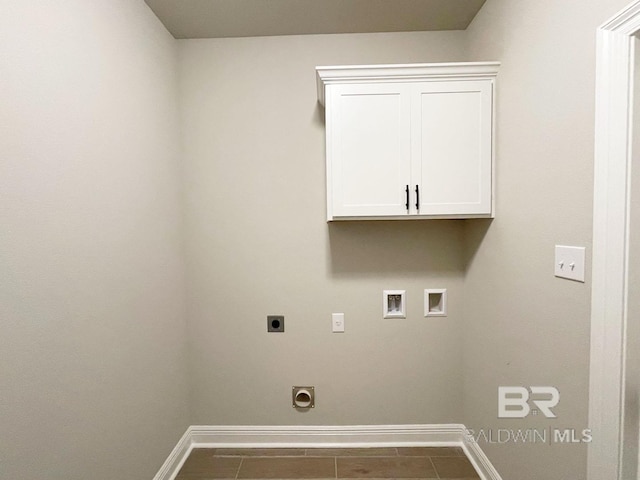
331,75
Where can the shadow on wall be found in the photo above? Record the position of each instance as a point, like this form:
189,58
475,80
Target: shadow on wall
473,234
319,116
359,248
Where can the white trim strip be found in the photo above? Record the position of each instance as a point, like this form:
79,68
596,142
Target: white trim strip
330,75
176,458
480,461
614,81
327,436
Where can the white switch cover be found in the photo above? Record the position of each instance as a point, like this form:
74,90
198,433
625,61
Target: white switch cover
337,322
570,262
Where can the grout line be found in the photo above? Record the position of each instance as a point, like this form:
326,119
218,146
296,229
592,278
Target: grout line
335,464
434,467
239,467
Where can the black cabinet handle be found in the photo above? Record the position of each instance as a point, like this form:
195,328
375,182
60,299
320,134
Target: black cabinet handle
417,197
407,192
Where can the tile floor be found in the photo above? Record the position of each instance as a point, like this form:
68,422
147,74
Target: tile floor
327,463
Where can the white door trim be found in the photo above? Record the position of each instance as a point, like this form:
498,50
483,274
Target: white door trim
614,102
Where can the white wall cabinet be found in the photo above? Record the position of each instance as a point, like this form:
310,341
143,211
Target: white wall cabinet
409,141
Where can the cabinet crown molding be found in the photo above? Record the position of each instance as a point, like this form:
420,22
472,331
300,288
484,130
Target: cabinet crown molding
329,75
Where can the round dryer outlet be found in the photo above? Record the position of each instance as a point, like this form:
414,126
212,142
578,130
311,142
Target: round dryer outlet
303,397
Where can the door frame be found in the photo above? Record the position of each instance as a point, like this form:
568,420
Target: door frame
613,140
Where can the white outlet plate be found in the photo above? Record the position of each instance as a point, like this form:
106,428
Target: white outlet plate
570,262
337,322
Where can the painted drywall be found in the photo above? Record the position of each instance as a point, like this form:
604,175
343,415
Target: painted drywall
92,361
258,244
523,326
248,18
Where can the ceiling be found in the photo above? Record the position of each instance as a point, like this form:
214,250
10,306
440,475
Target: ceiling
254,18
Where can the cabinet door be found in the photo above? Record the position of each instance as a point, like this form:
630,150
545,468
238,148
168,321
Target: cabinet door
368,149
451,147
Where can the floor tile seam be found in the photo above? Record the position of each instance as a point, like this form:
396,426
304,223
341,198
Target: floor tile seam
339,456
239,467
382,456
432,456
274,456
385,477
290,458
434,467
326,456
448,456
350,478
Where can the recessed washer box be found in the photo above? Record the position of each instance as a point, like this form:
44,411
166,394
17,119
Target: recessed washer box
394,304
435,302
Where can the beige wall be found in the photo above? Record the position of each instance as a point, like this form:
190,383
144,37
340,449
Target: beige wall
258,244
522,325
92,362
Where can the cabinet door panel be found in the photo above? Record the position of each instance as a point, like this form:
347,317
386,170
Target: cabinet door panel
452,151
370,152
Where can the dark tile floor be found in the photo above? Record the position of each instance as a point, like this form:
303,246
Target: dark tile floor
327,463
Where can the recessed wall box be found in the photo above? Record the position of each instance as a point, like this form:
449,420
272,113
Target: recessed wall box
394,304
275,323
435,302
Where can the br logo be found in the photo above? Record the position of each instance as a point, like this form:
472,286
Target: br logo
513,402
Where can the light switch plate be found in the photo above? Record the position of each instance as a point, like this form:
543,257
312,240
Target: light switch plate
570,262
337,322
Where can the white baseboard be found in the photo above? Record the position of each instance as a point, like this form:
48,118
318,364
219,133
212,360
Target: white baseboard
480,460
204,436
176,458
326,436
